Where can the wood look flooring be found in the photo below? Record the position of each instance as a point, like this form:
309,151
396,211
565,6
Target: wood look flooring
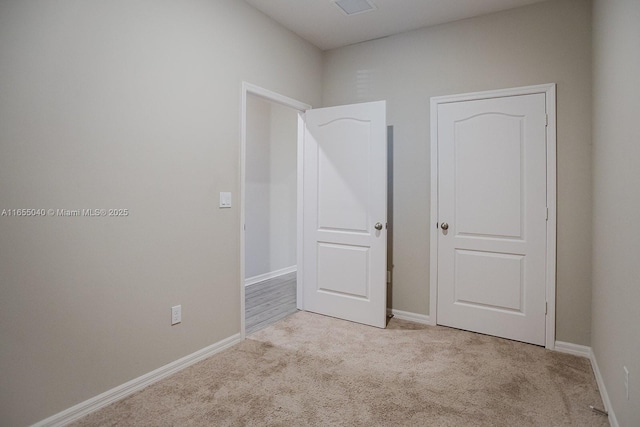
269,301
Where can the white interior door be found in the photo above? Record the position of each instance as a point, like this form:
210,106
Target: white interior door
344,212
492,216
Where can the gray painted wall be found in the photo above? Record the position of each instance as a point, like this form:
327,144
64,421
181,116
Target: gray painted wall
258,188
270,199
542,43
136,105
616,202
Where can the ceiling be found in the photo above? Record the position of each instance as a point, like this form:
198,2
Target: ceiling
325,25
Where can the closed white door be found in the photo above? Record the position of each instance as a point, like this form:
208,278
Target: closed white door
344,212
492,216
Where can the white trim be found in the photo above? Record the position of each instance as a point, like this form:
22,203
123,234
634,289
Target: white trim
270,275
274,97
585,351
300,216
91,405
498,93
575,349
248,88
412,317
550,331
603,391
550,287
433,218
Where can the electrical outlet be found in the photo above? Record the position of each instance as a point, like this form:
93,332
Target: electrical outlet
176,314
626,381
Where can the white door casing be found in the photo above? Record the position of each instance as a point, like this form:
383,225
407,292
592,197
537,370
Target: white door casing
249,89
345,197
491,265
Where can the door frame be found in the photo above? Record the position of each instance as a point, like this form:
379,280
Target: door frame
301,107
549,90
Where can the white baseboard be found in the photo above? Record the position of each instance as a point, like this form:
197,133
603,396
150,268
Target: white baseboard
412,317
603,390
575,349
110,396
585,351
271,275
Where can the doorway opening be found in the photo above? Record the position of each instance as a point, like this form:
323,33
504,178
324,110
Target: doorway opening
269,207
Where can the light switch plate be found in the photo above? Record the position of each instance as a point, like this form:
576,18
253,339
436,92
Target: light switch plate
176,314
225,199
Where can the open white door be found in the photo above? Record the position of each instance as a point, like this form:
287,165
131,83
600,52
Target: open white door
345,212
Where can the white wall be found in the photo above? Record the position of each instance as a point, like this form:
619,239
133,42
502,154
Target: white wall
124,104
542,43
270,201
616,202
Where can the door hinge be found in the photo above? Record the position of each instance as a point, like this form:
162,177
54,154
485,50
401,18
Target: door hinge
547,215
546,120
545,308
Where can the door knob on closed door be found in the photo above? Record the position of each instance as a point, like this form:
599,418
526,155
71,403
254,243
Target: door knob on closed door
444,226
378,226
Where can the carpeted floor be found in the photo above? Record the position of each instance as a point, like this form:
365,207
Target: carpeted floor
311,370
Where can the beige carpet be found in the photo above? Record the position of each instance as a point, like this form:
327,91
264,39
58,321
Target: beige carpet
317,371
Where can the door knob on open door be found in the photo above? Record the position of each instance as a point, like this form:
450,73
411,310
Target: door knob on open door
444,226
378,226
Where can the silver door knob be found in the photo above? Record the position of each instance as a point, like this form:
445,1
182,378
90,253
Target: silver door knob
378,226
444,226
